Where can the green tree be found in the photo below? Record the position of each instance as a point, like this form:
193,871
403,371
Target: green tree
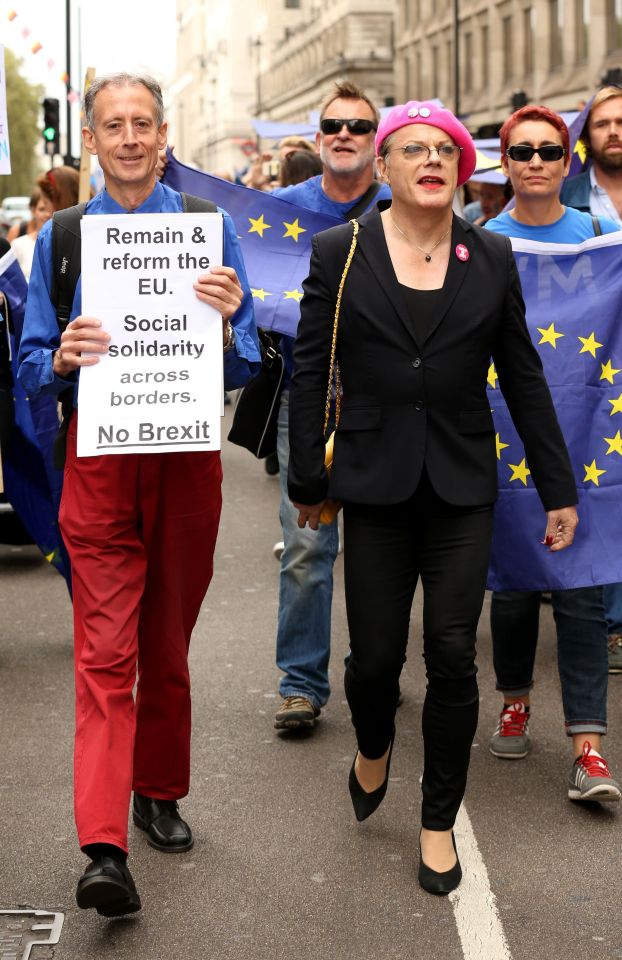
23,108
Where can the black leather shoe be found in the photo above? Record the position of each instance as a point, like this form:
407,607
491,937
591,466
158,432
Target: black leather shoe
365,803
160,820
107,885
435,882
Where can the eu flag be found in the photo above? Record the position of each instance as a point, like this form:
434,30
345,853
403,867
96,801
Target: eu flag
275,236
573,295
32,485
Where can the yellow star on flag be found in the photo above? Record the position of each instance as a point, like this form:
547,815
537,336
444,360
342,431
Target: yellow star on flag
615,443
608,372
293,295
492,376
520,471
616,405
500,446
260,294
592,473
590,344
259,225
549,335
293,229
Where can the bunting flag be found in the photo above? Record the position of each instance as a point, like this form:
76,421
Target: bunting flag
32,485
275,237
73,94
573,294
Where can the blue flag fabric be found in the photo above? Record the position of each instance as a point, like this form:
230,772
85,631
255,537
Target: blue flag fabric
573,294
32,486
275,237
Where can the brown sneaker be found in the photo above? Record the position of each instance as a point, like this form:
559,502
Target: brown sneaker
294,713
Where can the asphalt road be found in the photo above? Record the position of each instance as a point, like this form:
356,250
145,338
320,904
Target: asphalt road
280,869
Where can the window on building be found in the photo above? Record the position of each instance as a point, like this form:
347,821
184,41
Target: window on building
449,68
435,66
508,49
582,28
556,33
468,62
417,93
528,40
614,25
292,4
485,44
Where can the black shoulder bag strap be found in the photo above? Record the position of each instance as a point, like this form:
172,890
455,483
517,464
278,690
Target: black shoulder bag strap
197,204
598,230
362,205
66,267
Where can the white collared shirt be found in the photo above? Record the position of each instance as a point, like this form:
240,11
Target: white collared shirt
600,202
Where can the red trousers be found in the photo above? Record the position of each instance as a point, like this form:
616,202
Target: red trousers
141,531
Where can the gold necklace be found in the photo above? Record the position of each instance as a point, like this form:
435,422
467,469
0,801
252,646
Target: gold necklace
427,253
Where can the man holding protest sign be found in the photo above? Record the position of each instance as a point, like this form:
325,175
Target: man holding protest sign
140,529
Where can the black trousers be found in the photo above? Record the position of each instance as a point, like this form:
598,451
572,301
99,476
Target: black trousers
386,550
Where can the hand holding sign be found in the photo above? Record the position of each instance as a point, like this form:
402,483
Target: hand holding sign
221,289
82,335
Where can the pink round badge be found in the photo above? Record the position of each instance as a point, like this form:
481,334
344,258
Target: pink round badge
462,253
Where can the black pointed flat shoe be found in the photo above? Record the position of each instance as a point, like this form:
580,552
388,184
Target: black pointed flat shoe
365,803
440,883
160,819
108,886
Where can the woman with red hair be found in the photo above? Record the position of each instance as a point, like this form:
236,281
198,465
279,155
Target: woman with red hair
535,155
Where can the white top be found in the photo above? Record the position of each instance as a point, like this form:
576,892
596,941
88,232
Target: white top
24,248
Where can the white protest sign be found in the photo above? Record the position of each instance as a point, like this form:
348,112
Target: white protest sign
160,387
5,150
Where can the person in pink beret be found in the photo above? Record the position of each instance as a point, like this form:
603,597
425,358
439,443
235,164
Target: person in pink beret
426,301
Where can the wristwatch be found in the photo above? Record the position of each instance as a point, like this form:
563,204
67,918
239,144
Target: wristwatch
230,340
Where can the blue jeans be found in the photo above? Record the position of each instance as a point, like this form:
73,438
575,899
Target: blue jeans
612,597
305,591
581,650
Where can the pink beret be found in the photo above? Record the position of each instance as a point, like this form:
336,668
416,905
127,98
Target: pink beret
416,111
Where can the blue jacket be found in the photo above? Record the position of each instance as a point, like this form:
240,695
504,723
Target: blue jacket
575,192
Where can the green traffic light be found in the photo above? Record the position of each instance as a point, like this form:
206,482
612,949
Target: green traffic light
49,133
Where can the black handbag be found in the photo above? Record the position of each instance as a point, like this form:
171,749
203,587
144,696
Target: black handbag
257,409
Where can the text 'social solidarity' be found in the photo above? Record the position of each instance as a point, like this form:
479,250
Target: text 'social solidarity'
155,348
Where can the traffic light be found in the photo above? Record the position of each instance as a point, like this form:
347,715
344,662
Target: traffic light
51,125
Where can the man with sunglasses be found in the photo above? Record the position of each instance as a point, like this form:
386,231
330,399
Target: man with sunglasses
345,189
535,156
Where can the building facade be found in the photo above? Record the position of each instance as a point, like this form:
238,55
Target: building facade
211,101
554,52
270,59
330,40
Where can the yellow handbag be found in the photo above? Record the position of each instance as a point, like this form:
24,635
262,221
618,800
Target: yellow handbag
332,507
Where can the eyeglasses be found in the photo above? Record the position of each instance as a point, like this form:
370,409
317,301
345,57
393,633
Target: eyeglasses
419,151
523,152
356,127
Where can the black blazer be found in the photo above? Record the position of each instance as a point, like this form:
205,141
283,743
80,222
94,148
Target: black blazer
408,403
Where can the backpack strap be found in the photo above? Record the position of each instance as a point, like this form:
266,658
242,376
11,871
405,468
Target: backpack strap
193,204
66,260
598,230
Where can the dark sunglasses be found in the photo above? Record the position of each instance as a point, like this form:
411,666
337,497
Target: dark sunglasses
523,152
355,127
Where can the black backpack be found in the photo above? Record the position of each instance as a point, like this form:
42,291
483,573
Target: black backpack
67,266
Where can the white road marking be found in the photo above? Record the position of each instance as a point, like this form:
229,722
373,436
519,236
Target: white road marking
475,905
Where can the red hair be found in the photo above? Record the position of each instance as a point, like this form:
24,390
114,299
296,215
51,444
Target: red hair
533,113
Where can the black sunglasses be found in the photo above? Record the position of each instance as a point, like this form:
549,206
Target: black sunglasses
523,152
355,127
